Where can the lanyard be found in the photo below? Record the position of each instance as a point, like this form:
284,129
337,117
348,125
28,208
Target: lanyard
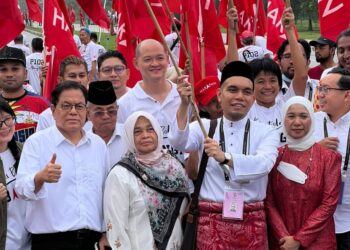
310,93
245,139
347,153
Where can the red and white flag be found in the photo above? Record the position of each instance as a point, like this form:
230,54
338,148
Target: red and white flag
202,23
82,18
58,42
334,17
34,11
95,10
11,21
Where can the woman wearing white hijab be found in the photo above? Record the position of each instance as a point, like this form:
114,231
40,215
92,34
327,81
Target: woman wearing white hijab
304,185
146,192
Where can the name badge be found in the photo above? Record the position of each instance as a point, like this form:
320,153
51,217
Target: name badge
233,204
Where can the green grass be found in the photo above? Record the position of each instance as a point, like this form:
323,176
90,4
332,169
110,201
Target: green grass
302,27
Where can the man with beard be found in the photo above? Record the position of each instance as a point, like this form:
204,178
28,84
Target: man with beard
324,53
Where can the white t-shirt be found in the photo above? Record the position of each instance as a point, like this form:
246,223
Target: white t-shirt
34,62
24,48
170,39
17,236
89,53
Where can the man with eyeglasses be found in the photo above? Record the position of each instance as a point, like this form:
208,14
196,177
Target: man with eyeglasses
27,105
332,129
324,53
112,67
62,172
102,112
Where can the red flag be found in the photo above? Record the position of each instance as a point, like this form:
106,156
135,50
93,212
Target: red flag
63,8
82,18
94,9
246,12
126,41
71,14
115,5
11,21
202,22
58,41
34,10
174,5
334,17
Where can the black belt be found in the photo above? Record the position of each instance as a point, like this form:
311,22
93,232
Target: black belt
81,234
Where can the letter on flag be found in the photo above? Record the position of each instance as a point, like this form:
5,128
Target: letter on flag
334,16
11,21
95,10
58,41
34,11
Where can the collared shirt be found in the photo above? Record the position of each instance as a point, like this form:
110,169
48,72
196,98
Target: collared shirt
310,86
89,53
340,130
116,147
75,202
137,99
252,168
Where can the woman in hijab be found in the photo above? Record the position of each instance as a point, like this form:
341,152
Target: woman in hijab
146,192
12,209
304,185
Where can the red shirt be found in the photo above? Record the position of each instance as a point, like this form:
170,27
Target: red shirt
315,72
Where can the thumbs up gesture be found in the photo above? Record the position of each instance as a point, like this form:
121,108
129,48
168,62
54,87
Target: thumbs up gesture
52,171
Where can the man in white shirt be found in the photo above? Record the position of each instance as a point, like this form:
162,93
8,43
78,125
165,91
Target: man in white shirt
88,52
154,93
247,154
18,43
102,112
100,49
61,173
34,63
332,129
250,51
173,41
72,68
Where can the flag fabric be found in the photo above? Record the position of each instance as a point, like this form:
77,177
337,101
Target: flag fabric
58,42
71,13
34,11
62,6
11,21
202,23
95,10
82,18
334,17
115,5
247,10
174,5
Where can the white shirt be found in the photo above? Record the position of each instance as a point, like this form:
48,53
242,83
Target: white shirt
251,52
77,40
310,86
46,120
34,62
17,236
89,53
126,215
75,202
22,47
116,147
340,130
137,99
271,116
170,39
254,167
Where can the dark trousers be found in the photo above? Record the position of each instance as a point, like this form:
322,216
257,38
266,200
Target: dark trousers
343,241
73,240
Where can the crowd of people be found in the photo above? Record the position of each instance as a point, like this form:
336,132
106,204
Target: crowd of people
105,166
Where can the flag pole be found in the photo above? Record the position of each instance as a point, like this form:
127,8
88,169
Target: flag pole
183,47
288,3
160,32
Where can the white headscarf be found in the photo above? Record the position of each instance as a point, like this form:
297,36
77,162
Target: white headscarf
308,140
129,126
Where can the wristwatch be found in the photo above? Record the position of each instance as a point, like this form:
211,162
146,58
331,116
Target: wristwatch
228,157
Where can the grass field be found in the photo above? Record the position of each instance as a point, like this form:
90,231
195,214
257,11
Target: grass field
108,41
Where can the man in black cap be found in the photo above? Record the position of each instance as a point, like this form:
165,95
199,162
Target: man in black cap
324,53
102,112
241,153
26,105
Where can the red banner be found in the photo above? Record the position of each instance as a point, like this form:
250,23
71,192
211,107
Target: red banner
334,17
95,10
174,5
34,11
11,21
58,41
202,23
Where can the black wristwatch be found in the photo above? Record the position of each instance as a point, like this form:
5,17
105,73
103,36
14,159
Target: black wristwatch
228,157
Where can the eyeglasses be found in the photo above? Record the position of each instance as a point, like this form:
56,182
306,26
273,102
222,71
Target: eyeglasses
117,69
9,122
326,89
68,107
101,113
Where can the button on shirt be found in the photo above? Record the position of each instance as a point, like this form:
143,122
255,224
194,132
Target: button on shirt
75,202
263,143
340,130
